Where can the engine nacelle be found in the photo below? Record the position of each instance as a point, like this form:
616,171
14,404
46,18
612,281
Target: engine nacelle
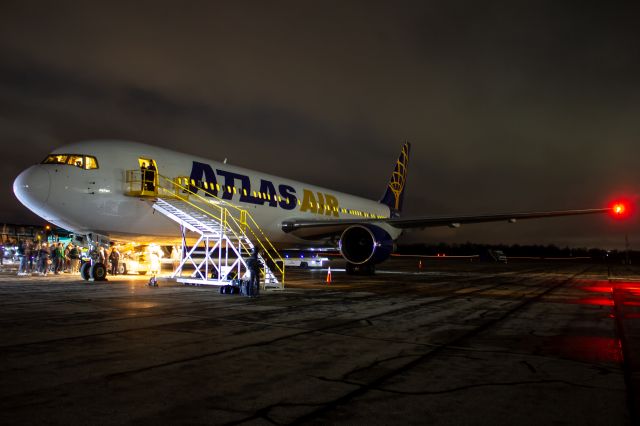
365,243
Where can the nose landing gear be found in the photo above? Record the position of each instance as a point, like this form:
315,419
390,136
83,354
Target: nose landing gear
95,272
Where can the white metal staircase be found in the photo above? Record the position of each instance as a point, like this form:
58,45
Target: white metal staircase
220,252
226,233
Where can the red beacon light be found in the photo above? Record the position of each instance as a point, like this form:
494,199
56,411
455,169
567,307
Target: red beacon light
620,210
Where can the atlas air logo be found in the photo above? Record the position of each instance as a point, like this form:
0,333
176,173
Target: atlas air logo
224,184
399,176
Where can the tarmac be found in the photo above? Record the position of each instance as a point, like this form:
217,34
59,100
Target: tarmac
456,342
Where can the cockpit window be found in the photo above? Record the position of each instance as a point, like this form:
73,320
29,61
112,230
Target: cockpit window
56,159
76,160
83,161
90,162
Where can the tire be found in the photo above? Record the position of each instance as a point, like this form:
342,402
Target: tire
304,265
98,272
84,270
142,272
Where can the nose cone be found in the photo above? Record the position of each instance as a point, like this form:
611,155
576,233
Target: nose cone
32,188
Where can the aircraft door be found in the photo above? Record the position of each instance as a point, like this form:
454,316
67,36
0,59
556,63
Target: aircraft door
148,175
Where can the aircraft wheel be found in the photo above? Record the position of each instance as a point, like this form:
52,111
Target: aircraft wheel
98,272
84,270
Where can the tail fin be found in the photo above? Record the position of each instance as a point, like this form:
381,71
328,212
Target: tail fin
394,194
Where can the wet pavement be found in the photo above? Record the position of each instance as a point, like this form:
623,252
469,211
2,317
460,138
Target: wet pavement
453,343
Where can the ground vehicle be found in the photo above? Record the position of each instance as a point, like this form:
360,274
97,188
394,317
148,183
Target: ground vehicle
305,261
498,256
133,262
140,259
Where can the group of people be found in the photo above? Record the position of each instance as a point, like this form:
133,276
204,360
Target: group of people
43,258
148,174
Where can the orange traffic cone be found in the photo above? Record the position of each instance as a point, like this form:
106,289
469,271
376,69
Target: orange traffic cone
329,275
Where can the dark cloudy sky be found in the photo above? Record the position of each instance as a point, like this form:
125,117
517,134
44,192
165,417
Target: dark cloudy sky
510,105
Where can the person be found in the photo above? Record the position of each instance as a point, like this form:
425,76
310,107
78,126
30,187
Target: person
74,257
143,175
155,253
175,258
24,259
67,259
53,257
253,263
59,259
32,253
114,257
150,177
102,256
44,259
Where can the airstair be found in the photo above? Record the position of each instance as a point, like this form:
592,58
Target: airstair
222,235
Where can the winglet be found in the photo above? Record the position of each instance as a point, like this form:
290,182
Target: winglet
394,194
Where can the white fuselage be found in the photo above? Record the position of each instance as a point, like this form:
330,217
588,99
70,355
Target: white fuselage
94,200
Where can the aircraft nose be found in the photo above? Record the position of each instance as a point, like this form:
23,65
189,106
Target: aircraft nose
32,187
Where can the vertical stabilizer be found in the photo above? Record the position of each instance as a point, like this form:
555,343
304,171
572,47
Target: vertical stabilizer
394,194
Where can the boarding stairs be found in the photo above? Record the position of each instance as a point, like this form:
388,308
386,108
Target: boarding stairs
226,236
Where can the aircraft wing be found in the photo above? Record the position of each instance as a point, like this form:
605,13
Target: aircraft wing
455,221
319,228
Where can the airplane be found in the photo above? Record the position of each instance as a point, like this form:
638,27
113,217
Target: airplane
83,188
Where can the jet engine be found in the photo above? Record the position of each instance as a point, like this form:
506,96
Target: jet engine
361,244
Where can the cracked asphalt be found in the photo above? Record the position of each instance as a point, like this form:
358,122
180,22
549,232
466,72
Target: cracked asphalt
454,343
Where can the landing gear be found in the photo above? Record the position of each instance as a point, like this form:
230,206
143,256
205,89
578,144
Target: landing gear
84,270
98,272
361,269
93,270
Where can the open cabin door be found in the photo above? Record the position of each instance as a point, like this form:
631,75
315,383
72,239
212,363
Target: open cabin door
148,176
